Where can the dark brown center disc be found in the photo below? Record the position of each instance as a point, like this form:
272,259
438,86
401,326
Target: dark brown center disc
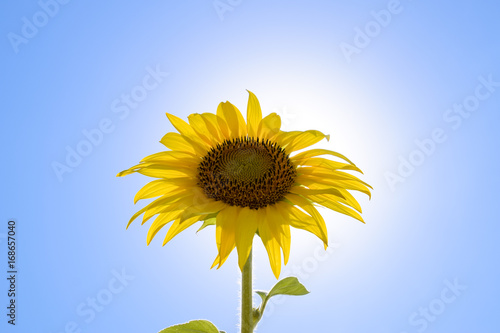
246,172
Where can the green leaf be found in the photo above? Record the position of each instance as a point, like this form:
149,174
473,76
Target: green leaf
206,223
194,326
288,286
262,295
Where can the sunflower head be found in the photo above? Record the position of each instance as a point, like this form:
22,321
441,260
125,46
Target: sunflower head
246,178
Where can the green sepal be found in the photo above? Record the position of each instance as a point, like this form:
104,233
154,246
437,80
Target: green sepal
194,326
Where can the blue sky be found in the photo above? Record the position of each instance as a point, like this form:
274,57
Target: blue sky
409,90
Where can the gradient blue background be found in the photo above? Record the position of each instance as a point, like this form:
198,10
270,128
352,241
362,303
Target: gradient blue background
439,225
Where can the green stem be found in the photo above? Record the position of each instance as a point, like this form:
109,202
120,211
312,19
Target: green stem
247,324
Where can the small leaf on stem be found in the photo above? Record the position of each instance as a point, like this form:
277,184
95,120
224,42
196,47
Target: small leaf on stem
288,286
194,326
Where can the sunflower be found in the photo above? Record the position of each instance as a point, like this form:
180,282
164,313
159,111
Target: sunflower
247,178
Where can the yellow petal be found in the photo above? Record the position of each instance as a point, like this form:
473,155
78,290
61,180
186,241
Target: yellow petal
203,205
125,172
185,129
166,171
309,180
307,191
169,156
191,163
274,222
284,138
222,123
216,261
338,207
225,231
173,158
157,188
311,210
135,168
169,202
156,206
330,174
349,200
329,193
271,244
269,126
178,226
245,230
318,152
298,140
177,142
161,221
176,169
300,220
142,210
212,124
233,118
254,115
199,125
151,190
327,164
285,242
